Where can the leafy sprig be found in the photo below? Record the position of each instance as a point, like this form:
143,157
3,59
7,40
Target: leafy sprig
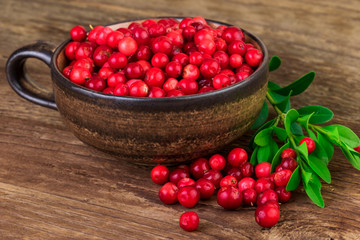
290,126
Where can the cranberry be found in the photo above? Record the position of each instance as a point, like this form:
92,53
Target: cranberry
200,20
209,68
237,157
232,33
143,53
199,167
289,163
188,196
229,198
156,92
196,58
282,177
278,168
237,47
217,162
205,187
249,46
79,75
173,69
121,90
228,181
236,60
185,167
283,195
133,25
249,197
189,221
175,93
117,60
246,183
132,81
155,77
263,184
162,44
105,72
198,26
288,152
265,196
222,58
185,182
145,65
125,31
267,215
253,57
113,38
160,174
159,60
214,176
168,193
247,169
221,81
95,83
188,86
127,46
263,170
310,144
181,58
70,50
235,172
101,55
170,84
178,174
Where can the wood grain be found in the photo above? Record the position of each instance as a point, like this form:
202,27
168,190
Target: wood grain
52,186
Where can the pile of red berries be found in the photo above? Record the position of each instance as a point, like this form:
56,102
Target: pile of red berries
233,179
160,58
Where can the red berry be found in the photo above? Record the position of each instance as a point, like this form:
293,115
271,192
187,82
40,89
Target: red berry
188,196
173,69
289,163
155,77
247,169
263,184
263,170
191,72
283,195
134,70
156,30
121,90
229,198
214,176
217,162
85,50
188,86
357,149
196,58
162,44
205,187
156,92
282,177
203,34
189,221
170,84
181,58
245,68
117,60
199,167
139,89
253,57
148,22
176,38
67,70
310,144
185,182
185,167
115,79
189,33
175,93
220,44
177,174
95,83
237,47
79,75
141,35
93,33
240,76
84,63
70,50
265,196
237,157
101,55
127,46
108,90
209,68
105,72
145,65
168,193
160,60
160,174
143,53
278,168
236,60
185,22
113,38
228,181
249,197
206,46
102,35
221,81
288,152
267,215
246,183
235,172
78,33
232,33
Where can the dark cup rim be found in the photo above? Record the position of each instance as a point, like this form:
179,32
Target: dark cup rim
251,80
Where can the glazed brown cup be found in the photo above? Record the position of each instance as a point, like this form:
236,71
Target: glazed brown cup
167,130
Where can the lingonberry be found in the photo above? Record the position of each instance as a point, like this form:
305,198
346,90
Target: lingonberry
199,167
176,38
95,83
209,68
79,75
203,34
132,81
156,92
189,221
247,169
196,58
139,89
133,25
229,198
283,195
85,50
188,86
170,84
108,90
263,184
162,44
235,172
173,69
102,35
237,157
228,181
191,72
181,58
217,162
288,152
101,55
282,177
222,58
148,22
206,46
237,47
175,93
267,215
84,63
185,182
253,57
310,144
113,38
249,197
241,76
134,70
155,77
206,89
156,30
188,196
70,50
265,196
249,46
93,33
236,60
232,33
143,53
141,35
67,71
263,170
177,174
121,90
199,19
117,60
145,65
220,44
127,46
105,72
78,33
185,167
228,72
189,33
205,187
168,193
278,168
214,176
221,81
289,163
160,174
159,60
246,183
244,68
125,31
185,22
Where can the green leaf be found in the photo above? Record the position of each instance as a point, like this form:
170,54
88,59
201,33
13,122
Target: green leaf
280,133
313,190
319,168
273,149
354,160
303,150
303,120
326,145
296,129
320,114
263,154
274,63
285,105
332,133
348,136
263,137
319,152
290,117
252,145
277,98
253,159
273,86
277,159
294,180
306,174
262,116
298,86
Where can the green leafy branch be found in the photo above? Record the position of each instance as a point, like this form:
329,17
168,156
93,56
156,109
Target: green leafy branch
290,126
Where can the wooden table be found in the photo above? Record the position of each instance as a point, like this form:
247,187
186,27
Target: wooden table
52,186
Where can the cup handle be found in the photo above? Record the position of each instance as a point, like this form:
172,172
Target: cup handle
20,80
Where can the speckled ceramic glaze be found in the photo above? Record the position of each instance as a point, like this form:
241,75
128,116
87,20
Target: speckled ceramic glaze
146,130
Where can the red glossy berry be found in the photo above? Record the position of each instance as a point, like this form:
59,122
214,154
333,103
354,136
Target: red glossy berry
199,167
253,57
93,33
220,44
102,35
185,182
246,183
155,77
162,44
122,90
357,149
145,65
105,72
156,92
221,81
278,168
101,55
115,79
170,84
267,215
113,38
236,47
247,169
141,35
84,63
191,72
288,152
160,174
263,170
117,60
228,181
143,53
205,187
265,196
185,22
66,72
245,68
177,174
189,221
160,60
209,68
240,76
156,30
282,177
310,144
188,33
206,46
148,22
139,89
175,93
85,50
108,90
134,70
95,83
70,50
78,33
196,58
176,38
168,193
188,196
173,69
236,60
188,86
185,167
125,31
283,195
217,162
289,163
229,198
127,46
232,33
263,184
249,197
181,58
203,34
79,75
235,172
237,157
214,176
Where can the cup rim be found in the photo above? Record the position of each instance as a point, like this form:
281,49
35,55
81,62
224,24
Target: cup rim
251,80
